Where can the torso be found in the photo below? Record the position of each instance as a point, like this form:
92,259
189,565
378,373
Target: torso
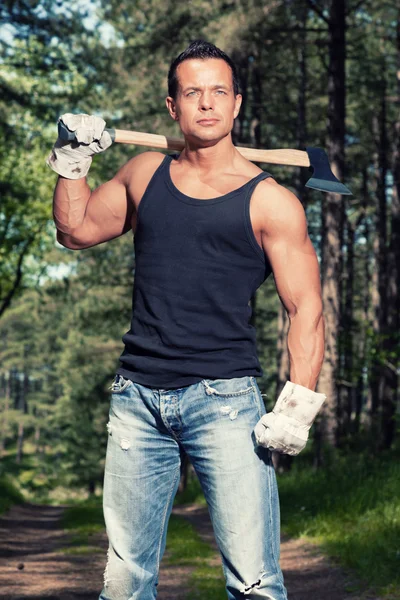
202,190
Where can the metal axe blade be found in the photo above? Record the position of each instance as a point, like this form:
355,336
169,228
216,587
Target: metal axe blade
323,179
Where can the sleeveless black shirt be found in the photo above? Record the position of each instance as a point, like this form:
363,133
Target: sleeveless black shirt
198,264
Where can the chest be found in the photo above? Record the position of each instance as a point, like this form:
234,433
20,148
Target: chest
207,191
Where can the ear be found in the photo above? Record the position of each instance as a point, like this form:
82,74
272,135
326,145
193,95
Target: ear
170,104
238,104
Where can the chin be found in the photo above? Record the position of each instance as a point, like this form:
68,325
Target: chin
206,136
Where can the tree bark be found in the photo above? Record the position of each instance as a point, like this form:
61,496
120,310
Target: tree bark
4,419
346,388
283,462
363,346
380,255
20,442
390,342
332,221
23,407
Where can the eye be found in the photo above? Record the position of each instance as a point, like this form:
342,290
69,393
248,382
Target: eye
221,92
189,94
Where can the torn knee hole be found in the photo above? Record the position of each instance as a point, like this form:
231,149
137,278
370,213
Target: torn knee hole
248,588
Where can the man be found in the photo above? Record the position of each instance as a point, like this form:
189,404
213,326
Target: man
209,227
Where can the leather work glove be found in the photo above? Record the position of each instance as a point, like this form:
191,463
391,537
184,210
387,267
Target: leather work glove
285,429
73,159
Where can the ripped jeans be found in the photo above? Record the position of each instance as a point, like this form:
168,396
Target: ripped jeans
213,421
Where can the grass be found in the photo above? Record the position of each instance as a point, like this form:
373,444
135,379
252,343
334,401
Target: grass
83,522
352,510
184,547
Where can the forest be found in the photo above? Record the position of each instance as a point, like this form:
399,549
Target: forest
312,73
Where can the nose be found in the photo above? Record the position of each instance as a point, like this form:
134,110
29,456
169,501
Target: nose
206,101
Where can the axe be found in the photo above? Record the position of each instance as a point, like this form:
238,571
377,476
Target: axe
323,179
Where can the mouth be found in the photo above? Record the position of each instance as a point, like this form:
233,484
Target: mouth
208,121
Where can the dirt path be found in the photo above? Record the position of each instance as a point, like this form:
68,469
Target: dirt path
33,568
308,574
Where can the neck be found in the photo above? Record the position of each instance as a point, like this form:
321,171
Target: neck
210,158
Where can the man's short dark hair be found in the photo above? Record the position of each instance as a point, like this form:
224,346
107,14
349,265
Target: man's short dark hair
199,49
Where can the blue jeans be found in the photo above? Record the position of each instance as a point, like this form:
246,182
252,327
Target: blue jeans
213,422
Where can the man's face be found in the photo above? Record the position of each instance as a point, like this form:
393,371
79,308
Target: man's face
205,106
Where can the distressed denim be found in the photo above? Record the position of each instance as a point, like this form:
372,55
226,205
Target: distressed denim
213,421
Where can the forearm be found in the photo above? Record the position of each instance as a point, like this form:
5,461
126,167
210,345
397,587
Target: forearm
70,200
306,341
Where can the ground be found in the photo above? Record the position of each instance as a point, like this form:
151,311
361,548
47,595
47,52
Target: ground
32,567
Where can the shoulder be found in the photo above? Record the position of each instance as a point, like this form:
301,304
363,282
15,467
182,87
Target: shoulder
278,208
137,173
140,166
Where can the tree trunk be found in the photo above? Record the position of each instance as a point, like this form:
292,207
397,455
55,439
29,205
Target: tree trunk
37,438
380,253
4,419
283,462
391,339
255,123
346,387
239,133
23,407
301,175
332,221
363,344
20,443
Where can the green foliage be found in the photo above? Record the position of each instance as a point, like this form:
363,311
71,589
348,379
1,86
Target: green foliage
36,476
352,509
9,494
62,336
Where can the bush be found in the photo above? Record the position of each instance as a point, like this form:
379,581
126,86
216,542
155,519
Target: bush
9,494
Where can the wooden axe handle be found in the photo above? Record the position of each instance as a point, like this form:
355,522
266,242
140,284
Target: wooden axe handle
295,158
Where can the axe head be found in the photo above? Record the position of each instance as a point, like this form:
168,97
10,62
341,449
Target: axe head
323,179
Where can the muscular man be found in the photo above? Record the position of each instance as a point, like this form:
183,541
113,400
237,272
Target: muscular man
209,228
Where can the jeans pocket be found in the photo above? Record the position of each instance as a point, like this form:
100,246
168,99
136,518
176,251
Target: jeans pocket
225,388
120,384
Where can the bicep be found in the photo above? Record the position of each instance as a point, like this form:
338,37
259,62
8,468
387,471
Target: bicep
110,211
108,214
290,251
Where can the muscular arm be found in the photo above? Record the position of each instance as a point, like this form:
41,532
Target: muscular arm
296,271
84,218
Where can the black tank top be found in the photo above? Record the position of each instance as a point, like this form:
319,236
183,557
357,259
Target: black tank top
198,264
